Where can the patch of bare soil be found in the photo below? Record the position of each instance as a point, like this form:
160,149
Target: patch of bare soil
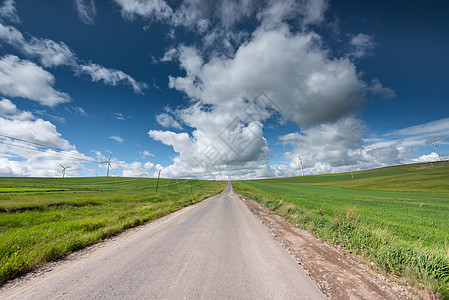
339,273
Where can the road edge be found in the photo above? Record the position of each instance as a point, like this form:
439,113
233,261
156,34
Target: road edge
298,241
86,251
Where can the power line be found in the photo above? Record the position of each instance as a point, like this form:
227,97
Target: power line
29,142
82,157
73,156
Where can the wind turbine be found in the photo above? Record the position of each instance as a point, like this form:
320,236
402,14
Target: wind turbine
63,170
300,164
438,152
109,163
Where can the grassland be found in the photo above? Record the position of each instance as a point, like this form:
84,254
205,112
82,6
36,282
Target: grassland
396,217
42,219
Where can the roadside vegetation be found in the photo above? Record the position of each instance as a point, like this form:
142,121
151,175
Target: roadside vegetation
42,219
397,217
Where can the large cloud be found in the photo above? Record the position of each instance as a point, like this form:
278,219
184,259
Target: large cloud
202,15
238,79
206,154
22,78
275,76
292,69
19,158
299,81
219,23
335,144
31,146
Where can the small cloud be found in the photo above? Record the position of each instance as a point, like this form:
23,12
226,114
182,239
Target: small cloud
362,44
148,165
120,116
86,11
80,111
376,88
136,169
9,110
144,9
146,153
167,121
170,55
117,139
111,76
76,110
8,10
45,113
427,158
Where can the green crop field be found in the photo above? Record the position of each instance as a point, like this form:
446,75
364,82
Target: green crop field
397,217
42,219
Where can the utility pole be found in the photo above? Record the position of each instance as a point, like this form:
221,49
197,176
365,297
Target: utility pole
158,175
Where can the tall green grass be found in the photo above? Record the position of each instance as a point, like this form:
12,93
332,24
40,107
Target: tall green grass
396,217
42,219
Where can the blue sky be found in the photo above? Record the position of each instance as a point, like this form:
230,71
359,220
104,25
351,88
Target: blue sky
221,89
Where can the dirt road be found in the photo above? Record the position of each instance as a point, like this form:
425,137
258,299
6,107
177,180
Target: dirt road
213,250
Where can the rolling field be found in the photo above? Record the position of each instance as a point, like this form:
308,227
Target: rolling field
396,217
42,219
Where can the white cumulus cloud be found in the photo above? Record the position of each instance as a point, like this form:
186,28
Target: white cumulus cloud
26,142
48,52
146,153
167,121
307,86
276,74
137,169
22,78
238,81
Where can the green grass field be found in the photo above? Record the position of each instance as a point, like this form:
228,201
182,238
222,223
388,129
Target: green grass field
397,217
42,219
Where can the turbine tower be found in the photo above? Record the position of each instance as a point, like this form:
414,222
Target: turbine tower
63,170
300,164
438,152
109,163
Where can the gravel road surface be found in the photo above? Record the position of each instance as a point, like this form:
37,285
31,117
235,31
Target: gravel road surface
213,250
